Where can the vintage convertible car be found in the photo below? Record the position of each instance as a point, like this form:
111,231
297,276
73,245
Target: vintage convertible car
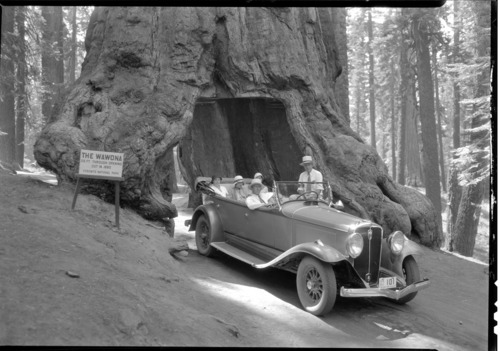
330,251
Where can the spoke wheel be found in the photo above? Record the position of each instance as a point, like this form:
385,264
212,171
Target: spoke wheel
203,237
411,274
316,286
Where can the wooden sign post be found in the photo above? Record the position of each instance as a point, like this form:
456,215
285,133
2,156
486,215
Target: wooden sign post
101,165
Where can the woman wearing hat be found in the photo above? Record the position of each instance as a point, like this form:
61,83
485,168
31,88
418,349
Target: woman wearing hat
239,192
259,175
310,175
217,187
258,199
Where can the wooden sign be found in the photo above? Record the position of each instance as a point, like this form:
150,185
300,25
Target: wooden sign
101,164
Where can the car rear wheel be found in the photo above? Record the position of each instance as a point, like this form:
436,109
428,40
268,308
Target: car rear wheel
411,274
316,286
203,237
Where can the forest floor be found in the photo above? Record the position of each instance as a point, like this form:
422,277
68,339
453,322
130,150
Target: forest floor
70,277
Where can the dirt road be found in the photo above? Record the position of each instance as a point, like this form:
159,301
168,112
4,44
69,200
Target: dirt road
450,315
69,277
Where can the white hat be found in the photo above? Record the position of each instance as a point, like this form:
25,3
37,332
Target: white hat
256,182
238,179
258,175
306,159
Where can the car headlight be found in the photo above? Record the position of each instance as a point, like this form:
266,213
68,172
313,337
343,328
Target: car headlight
397,242
354,245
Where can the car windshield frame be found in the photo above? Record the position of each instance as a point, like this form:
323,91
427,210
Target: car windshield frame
288,191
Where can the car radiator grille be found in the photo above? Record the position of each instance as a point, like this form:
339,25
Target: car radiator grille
367,264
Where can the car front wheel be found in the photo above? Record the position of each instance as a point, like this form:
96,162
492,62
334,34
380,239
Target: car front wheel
203,237
316,286
412,274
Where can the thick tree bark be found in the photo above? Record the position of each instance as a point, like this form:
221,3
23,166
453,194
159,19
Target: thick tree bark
240,90
371,81
72,55
438,114
472,194
393,122
21,86
427,116
468,219
456,88
404,92
8,116
52,58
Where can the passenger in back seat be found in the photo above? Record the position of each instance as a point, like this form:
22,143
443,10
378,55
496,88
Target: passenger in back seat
217,187
239,192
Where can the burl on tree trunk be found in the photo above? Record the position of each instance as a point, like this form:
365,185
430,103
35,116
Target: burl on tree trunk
239,90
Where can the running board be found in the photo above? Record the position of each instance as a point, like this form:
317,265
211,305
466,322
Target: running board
237,253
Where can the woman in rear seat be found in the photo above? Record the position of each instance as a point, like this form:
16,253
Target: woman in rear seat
217,187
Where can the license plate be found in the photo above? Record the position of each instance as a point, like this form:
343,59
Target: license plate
386,283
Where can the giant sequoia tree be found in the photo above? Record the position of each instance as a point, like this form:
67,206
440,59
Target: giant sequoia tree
239,90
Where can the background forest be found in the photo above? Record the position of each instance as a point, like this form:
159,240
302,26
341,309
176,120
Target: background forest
419,92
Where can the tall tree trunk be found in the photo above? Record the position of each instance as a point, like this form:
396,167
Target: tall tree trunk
454,197
454,190
404,91
456,88
373,138
427,116
72,57
393,121
413,144
438,114
472,194
21,86
8,116
52,57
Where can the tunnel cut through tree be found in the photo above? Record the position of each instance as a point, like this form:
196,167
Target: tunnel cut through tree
239,136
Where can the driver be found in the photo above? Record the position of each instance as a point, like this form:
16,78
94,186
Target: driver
258,199
310,175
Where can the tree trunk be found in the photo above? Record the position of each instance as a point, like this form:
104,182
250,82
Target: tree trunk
438,113
427,116
454,198
72,55
373,137
456,88
52,58
240,90
393,121
8,117
21,86
472,194
405,93
467,219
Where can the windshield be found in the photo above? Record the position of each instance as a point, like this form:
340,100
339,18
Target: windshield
295,191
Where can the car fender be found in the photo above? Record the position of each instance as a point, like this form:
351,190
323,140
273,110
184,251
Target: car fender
411,248
210,212
316,249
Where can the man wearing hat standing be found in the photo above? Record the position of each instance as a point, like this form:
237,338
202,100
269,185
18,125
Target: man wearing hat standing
239,192
258,199
310,175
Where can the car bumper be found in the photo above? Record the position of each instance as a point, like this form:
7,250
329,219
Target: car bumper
389,293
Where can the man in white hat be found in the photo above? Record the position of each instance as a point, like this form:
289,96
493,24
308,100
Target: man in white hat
259,175
258,199
310,175
239,192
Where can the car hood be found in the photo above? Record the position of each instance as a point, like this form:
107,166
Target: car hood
322,215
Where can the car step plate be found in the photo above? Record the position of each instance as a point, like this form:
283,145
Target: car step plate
237,253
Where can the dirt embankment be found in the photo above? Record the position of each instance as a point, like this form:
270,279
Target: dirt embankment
72,278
